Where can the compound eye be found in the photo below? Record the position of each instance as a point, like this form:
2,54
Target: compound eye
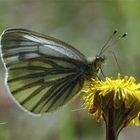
98,57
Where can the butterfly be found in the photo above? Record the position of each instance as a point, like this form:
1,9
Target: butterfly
44,73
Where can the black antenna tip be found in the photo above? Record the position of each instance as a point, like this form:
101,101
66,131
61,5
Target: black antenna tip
115,31
124,35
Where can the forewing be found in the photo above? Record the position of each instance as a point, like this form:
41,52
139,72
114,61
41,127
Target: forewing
43,73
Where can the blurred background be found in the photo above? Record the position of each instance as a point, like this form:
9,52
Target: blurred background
85,24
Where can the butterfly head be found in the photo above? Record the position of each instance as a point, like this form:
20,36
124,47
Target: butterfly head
99,60
94,66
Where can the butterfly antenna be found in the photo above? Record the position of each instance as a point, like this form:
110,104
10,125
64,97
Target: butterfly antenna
104,46
119,67
122,36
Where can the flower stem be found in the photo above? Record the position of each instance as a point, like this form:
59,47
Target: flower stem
111,133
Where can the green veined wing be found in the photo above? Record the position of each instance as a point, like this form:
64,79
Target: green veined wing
43,73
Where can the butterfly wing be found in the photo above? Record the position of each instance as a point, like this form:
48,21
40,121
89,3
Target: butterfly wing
43,73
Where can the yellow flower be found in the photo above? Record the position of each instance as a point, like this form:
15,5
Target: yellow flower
118,100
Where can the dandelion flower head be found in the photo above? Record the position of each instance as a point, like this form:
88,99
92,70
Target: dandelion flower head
120,96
